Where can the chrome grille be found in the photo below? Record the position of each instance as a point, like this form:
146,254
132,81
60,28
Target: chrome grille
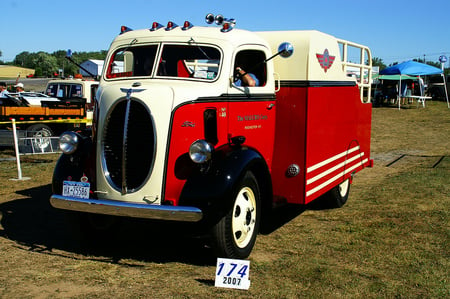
128,145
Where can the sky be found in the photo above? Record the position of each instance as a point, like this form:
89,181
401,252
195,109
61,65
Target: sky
394,30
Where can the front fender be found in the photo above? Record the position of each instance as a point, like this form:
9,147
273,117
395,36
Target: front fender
73,167
212,191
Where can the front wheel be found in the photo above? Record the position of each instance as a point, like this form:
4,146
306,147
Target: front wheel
235,234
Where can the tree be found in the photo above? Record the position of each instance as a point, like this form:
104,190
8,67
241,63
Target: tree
378,62
46,64
20,58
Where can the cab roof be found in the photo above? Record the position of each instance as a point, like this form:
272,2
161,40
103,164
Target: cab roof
234,37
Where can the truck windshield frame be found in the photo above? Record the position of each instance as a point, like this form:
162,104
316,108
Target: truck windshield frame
174,61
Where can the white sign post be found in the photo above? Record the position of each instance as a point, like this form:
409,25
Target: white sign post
16,147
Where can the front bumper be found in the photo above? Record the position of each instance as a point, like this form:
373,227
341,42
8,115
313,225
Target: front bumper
135,210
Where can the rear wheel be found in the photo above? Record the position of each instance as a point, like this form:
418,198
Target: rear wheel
235,234
337,197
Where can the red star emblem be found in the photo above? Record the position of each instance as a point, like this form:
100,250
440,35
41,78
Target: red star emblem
325,60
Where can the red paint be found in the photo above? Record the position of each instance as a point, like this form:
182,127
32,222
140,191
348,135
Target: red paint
253,119
315,124
324,129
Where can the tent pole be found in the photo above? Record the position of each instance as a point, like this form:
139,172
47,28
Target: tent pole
399,92
445,90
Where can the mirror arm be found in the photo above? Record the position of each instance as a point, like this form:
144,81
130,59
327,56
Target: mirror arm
69,57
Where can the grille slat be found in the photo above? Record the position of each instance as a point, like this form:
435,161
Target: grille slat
129,158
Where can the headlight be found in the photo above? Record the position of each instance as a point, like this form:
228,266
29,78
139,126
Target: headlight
200,151
68,142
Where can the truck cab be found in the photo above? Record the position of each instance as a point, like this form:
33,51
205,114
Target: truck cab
178,136
73,89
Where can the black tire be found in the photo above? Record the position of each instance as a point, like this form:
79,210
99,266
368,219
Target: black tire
235,234
337,197
42,133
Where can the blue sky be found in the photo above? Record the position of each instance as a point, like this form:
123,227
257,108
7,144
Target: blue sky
395,30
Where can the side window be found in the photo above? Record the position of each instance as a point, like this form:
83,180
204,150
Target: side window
250,62
76,91
52,89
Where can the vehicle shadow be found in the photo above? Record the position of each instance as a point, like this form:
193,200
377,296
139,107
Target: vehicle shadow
284,214
280,216
36,226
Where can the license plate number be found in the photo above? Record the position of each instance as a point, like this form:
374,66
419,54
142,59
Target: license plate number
76,189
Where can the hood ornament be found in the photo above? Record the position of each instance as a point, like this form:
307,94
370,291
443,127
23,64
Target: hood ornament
129,91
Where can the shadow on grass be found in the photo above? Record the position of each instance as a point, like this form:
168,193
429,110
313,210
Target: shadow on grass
286,213
280,216
36,226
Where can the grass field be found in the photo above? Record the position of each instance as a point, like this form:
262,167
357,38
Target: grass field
391,240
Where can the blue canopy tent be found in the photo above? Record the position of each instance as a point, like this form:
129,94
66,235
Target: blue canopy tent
413,68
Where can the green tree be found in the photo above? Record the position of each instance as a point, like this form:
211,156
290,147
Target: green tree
47,62
22,59
378,62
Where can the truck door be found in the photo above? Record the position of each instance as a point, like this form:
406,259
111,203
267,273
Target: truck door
251,110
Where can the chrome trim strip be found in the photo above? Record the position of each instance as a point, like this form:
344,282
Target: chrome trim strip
124,147
119,208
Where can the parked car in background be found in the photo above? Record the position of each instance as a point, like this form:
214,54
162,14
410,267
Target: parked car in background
436,87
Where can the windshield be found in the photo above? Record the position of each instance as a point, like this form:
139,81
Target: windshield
175,61
64,90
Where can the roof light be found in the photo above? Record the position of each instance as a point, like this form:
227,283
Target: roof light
171,25
187,25
124,29
156,26
228,24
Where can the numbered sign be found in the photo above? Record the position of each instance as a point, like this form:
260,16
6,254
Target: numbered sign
232,274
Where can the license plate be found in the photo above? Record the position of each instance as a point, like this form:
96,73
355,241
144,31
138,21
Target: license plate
76,189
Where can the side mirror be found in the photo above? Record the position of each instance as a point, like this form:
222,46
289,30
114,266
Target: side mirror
285,49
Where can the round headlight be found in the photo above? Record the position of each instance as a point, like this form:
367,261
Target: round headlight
200,151
68,142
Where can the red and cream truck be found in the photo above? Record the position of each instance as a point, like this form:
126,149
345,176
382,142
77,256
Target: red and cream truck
176,138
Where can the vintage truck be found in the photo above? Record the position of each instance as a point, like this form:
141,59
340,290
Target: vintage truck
177,136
